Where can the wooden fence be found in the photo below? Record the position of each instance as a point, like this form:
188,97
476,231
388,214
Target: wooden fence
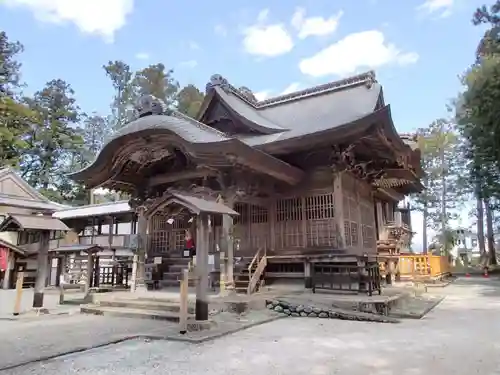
422,266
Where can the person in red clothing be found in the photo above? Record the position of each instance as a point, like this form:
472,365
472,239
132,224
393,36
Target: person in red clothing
190,243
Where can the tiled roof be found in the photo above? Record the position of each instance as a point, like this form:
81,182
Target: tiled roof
185,127
93,210
204,205
306,111
76,248
7,200
195,204
37,222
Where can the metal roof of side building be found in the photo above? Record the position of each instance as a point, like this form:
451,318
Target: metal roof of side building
101,209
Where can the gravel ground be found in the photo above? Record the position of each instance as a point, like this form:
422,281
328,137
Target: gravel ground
458,337
50,301
32,339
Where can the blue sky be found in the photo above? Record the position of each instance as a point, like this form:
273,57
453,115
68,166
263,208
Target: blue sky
417,47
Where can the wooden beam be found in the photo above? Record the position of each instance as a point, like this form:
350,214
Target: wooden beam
388,193
185,175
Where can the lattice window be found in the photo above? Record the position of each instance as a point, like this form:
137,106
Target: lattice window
320,220
165,236
251,227
259,227
241,232
354,234
289,222
243,210
368,225
159,233
289,209
258,214
351,225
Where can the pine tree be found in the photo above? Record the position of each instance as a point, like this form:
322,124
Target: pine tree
121,77
53,140
15,117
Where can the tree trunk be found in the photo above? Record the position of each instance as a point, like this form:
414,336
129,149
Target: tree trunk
424,229
489,233
444,216
480,226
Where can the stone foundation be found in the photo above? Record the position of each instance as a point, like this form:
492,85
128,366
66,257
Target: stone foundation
293,310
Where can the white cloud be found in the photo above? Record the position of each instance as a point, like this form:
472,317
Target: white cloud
188,64
314,26
142,56
220,30
441,7
292,87
408,58
262,95
95,17
266,40
367,49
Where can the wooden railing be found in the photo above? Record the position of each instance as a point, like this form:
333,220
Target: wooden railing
260,262
359,278
118,240
417,265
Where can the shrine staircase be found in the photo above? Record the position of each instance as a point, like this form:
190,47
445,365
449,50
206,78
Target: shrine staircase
173,274
249,276
169,273
140,307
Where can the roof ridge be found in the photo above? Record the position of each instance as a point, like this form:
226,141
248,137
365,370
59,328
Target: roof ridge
196,123
91,205
367,78
243,93
30,215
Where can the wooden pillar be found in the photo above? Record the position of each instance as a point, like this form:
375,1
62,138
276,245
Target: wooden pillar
339,210
142,228
90,267
112,231
307,274
8,272
382,234
359,216
59,270
111,221
202,236
272,223
97,269
41,272
223,274
64,266
227,225
228,241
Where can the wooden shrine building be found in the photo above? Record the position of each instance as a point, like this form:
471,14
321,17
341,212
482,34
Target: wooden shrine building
315,175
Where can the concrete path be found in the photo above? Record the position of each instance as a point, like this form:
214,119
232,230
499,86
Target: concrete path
459,337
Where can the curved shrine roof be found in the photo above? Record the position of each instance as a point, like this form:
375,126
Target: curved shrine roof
303,112
197,137
184,126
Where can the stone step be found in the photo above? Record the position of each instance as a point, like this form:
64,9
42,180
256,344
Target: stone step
157,305
172,275
239,289
178,260
242,276
132,313
175,283
177,267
